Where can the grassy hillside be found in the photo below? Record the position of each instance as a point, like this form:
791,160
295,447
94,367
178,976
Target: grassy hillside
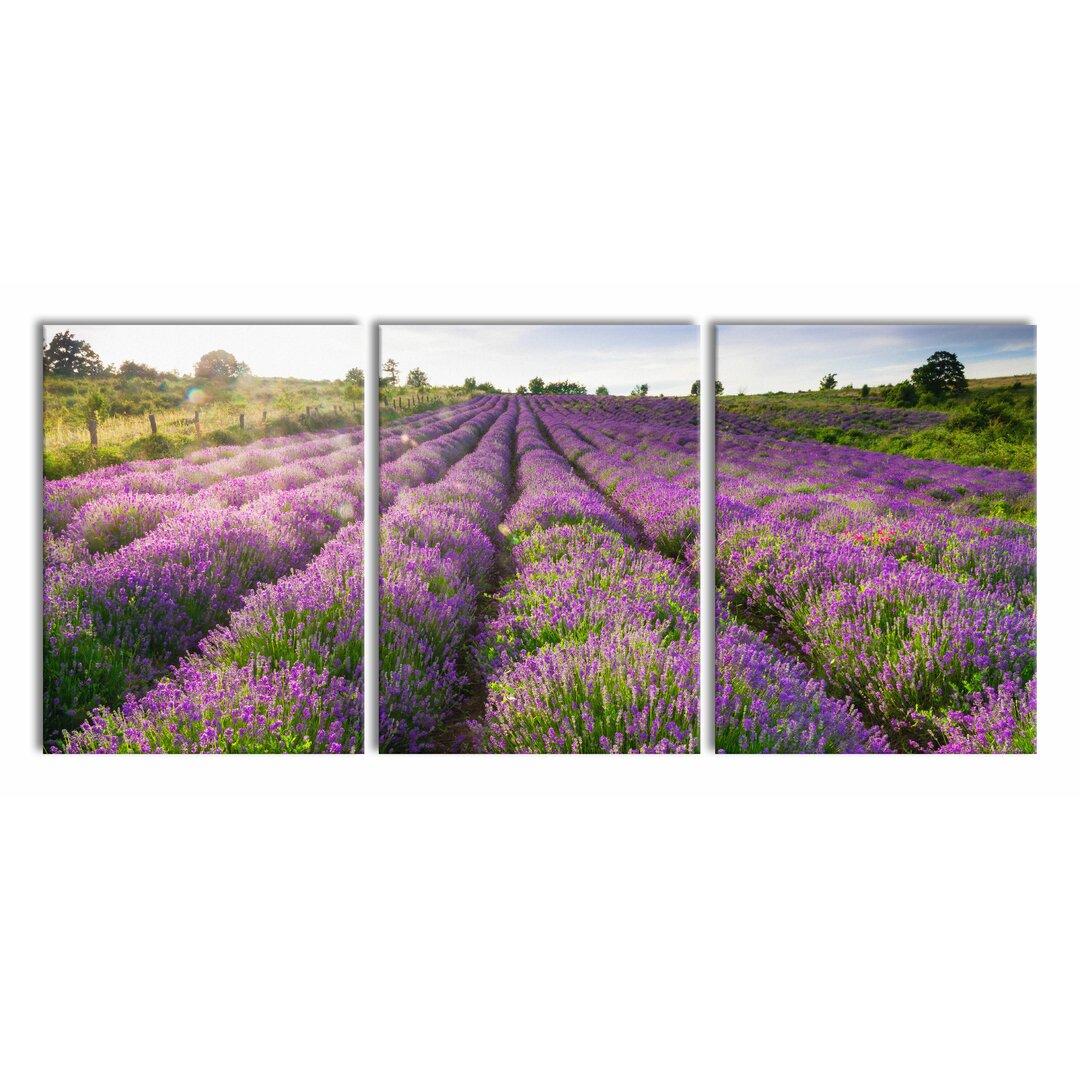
269,407
123,407
992,424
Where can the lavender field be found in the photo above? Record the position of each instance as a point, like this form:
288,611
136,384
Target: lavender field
208,604
869,602
539,577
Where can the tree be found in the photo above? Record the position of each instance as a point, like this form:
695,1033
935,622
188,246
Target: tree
536,385
355,376
391,369
67,355
941,374
219,364
522,390
131,370
417,379
640,390
695,390
564,387
488,388
865,391
602,391
902,395
828,382
469,385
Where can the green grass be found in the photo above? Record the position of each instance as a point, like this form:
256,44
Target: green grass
123,407
992,424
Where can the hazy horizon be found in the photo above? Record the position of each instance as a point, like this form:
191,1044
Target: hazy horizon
321,351
757,359
666,356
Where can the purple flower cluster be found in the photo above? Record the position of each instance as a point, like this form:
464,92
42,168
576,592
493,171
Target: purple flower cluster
878,573
651,476
998,720
854,417
767,703
232,709
305,630
436,557
593,647
63,498
115,621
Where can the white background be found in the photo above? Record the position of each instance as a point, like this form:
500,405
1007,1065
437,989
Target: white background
501,918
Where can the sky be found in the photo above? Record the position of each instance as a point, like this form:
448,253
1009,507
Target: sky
757,359
616,356
303,352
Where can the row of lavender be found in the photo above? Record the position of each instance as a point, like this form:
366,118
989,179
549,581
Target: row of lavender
234,573
593,644
875,572
765,700
437,557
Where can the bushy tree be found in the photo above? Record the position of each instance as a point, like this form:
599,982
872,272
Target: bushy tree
390,368
470,385
68,355
902,395
522,390
865,391
536,385
129,369
565,387
640,390
417,379
96,406
828,382
219,364
488,388
941,375
602,391
695,390
355,376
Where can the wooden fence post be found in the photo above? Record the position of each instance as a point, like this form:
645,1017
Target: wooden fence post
264,417
307,411
241,421
153,424
91,423
198,427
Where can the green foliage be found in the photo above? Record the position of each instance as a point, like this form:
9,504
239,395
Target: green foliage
695,390
536,385
417,380
640,390
865,391
354,377
68,355
903,395
565,387
70,460
992,424
390,372
828,382
96,405
602,391
219,365
469,384
942,375
131,370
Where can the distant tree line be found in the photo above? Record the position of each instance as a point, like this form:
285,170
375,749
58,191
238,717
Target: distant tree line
942,376
70,356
